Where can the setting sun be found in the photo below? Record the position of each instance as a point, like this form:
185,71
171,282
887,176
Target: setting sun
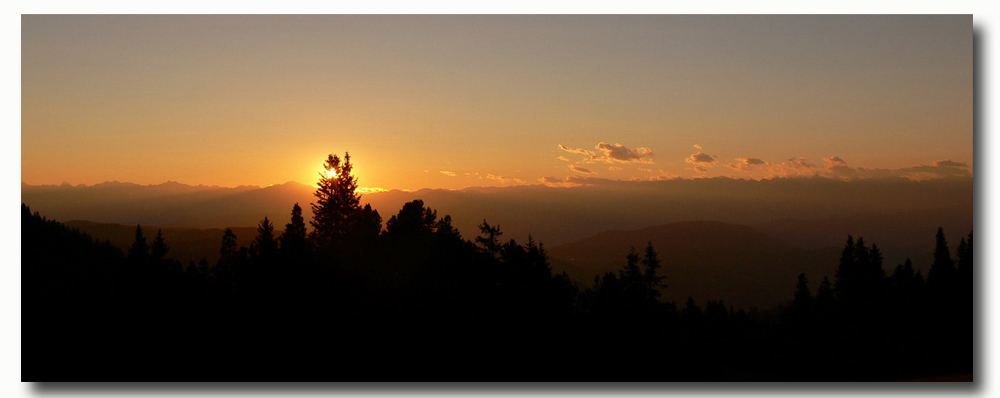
753,197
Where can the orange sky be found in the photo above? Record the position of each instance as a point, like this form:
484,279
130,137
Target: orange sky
456,101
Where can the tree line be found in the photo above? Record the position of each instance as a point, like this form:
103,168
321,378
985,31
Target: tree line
351,299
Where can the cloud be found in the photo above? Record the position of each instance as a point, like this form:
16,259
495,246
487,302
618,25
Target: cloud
619,153
613,153
365,190
936,170
698,147
503,179
702,159
793,167
563,158
746,164
700,169
558,182
447,173
615,168
838,168
949,163
579,169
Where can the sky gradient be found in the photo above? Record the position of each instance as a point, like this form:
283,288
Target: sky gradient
457,101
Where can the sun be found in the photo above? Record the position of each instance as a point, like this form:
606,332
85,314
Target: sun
330,173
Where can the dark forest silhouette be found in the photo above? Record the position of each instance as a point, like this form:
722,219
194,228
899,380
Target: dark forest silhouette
415,300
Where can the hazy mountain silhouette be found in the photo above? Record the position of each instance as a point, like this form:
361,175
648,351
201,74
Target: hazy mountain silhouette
186,244
902,235
551,215
703,259
169,204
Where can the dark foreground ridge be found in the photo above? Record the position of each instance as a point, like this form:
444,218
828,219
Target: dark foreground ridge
350,300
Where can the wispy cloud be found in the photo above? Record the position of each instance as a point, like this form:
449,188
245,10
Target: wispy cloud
949,163
504,180
558,182
700,161
746,164
838,168
579,169
447,173
700,158
793,167
613,153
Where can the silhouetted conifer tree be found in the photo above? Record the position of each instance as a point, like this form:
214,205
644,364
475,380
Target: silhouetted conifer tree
337,203
264,247
691,309
846,274
824,296
803,299
650,277
158,251
942,271
414,221
537,258
228,250
138,253
631,274
965,264
489,242
294,245
368,225
716,312
443,229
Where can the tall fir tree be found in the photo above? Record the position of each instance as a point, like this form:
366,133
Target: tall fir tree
293,242
650,274
965,263
802,301
489,241
942,270
845,276
228,250
264,247
337,202
159,249
138,253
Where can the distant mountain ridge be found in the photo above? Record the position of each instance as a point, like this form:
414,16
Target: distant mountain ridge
185,244
707,260
551,215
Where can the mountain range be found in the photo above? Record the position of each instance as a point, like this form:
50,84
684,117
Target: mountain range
738,240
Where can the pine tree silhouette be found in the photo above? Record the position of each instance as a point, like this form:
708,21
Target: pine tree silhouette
413,221
337,203
803,299
942,271
651,264
264,247
489,242
158,251
293,242
138,253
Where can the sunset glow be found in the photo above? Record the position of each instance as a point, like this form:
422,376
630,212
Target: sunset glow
442,102
497,198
